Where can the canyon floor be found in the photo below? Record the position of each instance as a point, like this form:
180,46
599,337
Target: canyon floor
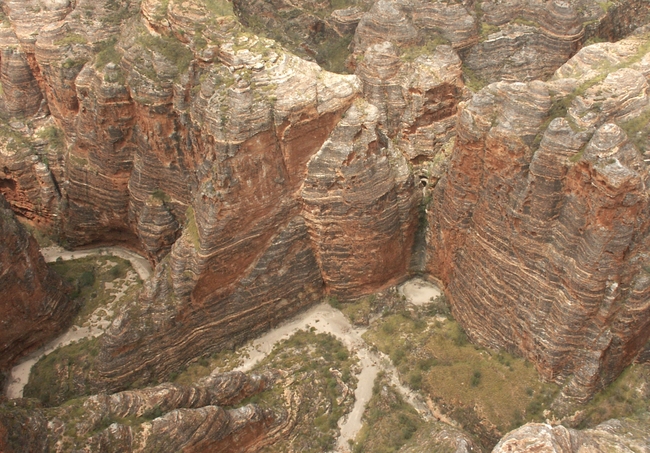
399,352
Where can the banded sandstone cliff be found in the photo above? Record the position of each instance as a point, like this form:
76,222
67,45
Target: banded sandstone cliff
257,182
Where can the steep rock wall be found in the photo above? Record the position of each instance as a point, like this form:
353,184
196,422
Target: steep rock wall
540,227
34,303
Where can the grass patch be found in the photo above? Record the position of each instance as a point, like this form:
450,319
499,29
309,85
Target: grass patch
526,22
116,13
487,392
203,366
427,49
191,228
173,50
486,30
54,137
332,54
52,379
628,396
472,80
637,130
72,38
219,7
106,52
161,195
359,311
72,63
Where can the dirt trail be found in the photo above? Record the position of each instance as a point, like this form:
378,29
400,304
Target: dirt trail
139,263
97,323
323,318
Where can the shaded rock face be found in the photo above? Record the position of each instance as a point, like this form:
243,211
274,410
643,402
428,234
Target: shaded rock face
165,418
34,302
613,435
540,227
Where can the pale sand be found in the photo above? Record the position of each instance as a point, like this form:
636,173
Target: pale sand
419,292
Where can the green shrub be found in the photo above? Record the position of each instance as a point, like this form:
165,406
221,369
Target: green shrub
476,379
87,278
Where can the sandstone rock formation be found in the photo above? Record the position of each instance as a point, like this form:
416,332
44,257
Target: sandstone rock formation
540,226
165,418
497,40
34,303
439,436
359,202
613,435
188,139
257,182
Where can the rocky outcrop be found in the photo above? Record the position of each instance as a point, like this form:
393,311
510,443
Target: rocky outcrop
34,303
417,96
439,436
540,226
613,435
360,206
514,40
314,29
165,418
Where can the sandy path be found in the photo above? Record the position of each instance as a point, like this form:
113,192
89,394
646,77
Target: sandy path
139,263
326,319
96,325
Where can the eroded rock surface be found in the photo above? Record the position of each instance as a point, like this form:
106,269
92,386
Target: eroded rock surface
165,418
540,227
613,435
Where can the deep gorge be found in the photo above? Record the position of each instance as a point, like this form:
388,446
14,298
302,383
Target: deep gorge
497,149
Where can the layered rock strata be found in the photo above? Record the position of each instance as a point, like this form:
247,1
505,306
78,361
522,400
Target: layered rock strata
540,226
358,198
188,139
34,302
417,100
165,418
498,40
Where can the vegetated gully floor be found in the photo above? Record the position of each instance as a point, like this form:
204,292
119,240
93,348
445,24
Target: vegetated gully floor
322,318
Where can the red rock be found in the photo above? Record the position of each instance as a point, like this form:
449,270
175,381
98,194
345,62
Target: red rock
34,303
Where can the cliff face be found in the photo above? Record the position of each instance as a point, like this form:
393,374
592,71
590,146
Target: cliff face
540,227
258,182
34,302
